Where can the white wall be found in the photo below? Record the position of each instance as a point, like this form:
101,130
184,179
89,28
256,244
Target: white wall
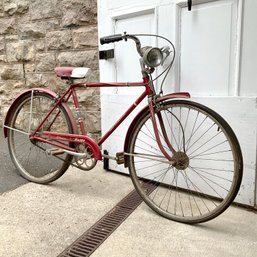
248,81
234,95
248,75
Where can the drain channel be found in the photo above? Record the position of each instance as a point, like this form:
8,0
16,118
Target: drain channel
86,244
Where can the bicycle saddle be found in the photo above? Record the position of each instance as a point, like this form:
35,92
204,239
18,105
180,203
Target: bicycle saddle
72,72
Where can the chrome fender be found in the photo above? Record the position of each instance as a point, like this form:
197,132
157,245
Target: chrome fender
143,111
11,109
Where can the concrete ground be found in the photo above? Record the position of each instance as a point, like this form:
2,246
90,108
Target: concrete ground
42,220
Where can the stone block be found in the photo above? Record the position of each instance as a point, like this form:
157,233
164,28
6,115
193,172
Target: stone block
84,37
15,6
3,58
45,62
10,38
55,83
10,89
78,12
45,9
8,26
29,67
1,8
79,59
39,45
48,80
59,39
2,45
12,72
53,24
90,99
19,85
32,30
23,50
34,80
92,122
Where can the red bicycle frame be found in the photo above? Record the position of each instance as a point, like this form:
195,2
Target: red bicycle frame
58,139
62,140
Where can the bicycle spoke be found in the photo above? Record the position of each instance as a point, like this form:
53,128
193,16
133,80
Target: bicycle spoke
201,196
202,136
160,181
151,146
211,174
205,179
206,151
206,142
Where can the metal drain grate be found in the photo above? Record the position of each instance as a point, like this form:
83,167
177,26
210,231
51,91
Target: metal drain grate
102,229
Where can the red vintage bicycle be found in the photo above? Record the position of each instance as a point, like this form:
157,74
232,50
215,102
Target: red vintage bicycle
184,159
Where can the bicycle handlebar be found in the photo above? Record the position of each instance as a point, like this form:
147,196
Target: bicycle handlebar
118,37
111,39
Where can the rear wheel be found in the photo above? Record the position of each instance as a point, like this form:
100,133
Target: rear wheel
30,157
207,172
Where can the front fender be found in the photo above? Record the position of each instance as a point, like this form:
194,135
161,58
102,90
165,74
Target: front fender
144,111
13,106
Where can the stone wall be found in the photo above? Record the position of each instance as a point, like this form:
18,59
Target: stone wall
38,35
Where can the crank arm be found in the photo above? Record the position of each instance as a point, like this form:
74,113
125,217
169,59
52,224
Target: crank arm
79,155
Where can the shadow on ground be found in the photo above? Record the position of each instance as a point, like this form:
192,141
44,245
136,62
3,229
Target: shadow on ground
9,176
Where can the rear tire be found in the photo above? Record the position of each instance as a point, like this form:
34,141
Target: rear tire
29,157
208,170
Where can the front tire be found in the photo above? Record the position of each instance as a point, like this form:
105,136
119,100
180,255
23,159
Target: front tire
208,170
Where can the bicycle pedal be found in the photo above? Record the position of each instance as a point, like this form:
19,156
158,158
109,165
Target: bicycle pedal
120,158
55,151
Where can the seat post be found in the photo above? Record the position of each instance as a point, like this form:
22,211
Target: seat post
69,81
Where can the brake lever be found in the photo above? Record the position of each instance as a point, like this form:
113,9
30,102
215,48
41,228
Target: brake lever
189,5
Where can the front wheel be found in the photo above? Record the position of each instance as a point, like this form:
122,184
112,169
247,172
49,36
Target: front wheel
30,157
205,173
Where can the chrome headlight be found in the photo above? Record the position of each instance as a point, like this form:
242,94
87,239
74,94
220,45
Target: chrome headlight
152,56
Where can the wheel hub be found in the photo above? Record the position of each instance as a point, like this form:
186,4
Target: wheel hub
181,160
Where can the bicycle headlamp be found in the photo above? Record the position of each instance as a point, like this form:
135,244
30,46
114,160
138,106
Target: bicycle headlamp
152,56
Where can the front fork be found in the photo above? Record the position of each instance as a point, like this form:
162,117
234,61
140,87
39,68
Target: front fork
152,107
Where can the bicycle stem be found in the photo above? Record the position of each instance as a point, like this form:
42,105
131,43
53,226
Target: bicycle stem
137,41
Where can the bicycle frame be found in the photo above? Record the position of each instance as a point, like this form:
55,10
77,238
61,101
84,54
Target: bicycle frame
57,139
71,92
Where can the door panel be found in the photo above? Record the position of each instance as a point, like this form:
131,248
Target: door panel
208,47
127,64
127,68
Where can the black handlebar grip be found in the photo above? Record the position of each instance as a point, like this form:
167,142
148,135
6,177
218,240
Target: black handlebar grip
111,39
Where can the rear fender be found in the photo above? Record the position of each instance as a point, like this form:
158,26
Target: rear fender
13,106
143,112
